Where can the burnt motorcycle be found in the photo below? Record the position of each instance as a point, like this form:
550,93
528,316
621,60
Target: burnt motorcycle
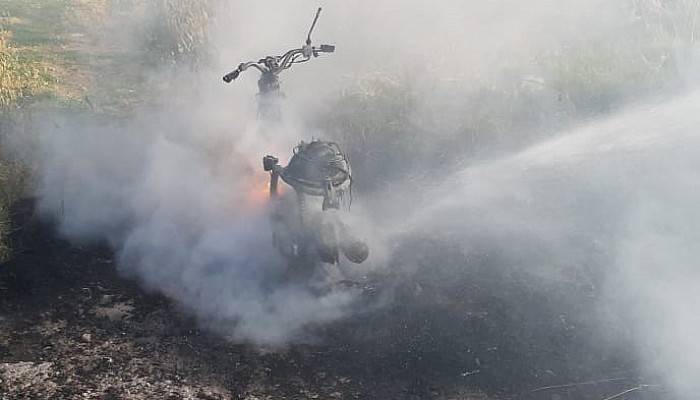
307,225
311,226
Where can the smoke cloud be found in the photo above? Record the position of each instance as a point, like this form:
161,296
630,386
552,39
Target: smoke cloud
617,198
173,189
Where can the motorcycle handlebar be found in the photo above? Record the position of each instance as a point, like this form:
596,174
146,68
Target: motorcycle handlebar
285,61
231,76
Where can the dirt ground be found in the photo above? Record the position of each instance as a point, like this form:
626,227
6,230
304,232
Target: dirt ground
71,327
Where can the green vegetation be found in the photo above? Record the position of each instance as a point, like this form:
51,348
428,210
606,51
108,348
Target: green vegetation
34,22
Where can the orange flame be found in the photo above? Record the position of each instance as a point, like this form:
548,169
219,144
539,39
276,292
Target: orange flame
258,190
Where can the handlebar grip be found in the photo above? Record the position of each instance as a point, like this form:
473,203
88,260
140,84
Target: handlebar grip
231,76
327,48
269,163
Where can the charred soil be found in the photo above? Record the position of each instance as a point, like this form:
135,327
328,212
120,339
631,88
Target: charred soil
73,327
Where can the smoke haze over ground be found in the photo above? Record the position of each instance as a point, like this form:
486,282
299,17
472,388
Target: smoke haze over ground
589,181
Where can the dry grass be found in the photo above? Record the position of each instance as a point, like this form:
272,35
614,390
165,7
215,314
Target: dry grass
187,23
180,29
19,79
12,182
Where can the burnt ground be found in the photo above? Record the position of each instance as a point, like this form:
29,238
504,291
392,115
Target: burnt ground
72,327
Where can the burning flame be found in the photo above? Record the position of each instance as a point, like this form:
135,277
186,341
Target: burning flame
258,190
257,193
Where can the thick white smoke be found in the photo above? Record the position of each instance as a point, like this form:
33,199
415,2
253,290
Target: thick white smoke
186,220
171,188
618,199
